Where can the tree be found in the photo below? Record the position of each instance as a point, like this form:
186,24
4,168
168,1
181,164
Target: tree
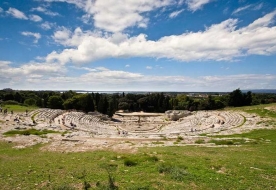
90,103
143,103
55,102
103,105
69,103
123,106
211,103
30,102
18,97
8,96
40,102
219,104
236,98
68,94
248,98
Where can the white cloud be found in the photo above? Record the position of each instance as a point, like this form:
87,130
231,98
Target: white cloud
37,36
180,2
127,65
117,15
20,76
62,35
1,10
195,5
258,7
79,3
263,22
83,68
243,81
218,42
17,14
123,13
45,11
47,25
241,9
175,13
86,18
254,7
35,18
53,76
149,67
4,63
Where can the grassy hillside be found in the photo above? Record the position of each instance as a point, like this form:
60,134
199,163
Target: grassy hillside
250,166
246,166
18,108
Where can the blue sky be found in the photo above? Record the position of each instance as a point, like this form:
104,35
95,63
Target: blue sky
131,45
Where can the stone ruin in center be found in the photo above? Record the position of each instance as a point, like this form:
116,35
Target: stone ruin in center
175,115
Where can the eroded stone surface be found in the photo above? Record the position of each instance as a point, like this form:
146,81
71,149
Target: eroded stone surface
85,132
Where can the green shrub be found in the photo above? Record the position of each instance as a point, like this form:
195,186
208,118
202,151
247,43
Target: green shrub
222,142
200,141
153,158
175,172
27,133
86,185
164,168
178,174
64,187
129,162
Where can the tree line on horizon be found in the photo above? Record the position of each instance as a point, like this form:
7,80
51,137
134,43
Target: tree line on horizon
151,102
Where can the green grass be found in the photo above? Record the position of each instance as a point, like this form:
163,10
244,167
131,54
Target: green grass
200,141
33,116
19,108
250,166
29,132
262,112
243,122
158,142
227,141
258,109
260,134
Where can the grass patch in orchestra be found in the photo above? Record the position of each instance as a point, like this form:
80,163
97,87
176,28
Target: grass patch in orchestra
29,132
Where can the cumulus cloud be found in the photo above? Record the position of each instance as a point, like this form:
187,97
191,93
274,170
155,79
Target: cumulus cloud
175,13
37,36
218,42
17,14
35,18
47,25
20,15
10,75
117,15
62,36
195,5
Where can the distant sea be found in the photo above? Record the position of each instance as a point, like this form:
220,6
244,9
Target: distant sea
265,91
